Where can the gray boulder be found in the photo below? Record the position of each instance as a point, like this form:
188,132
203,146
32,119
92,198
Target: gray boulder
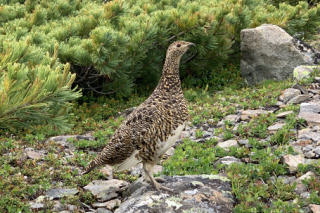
194,193
268,52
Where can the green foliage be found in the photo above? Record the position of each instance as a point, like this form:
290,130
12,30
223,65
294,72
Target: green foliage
192,158
125,41
34,89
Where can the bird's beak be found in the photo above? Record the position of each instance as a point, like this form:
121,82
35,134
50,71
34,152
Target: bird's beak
191,44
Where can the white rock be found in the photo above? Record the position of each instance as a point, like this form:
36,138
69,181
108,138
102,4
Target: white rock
299,99
276,127
227,144
306,176
34,155
170,151
269,52
305,134
288,94
227,160
314,208
302,72
106,189
311,118
107,171
310,107
109,204
284,114
293,161
247,114
232,118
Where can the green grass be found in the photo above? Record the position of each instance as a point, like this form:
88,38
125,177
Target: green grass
22,179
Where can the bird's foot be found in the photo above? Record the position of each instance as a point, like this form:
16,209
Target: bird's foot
160,179
159,187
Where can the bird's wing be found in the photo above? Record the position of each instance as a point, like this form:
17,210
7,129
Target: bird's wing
140,125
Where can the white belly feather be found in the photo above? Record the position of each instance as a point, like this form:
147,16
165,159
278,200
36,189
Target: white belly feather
162,147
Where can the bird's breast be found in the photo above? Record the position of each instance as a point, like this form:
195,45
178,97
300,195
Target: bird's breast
163,146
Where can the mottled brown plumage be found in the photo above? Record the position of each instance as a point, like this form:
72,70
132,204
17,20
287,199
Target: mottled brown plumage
152,127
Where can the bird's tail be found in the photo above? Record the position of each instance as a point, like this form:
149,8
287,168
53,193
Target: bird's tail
98,161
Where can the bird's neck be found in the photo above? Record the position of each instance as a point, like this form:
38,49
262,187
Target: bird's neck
170,80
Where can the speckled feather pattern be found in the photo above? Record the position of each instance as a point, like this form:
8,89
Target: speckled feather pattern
153,121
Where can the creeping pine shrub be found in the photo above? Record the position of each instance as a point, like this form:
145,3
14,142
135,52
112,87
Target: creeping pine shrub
117,47
34,88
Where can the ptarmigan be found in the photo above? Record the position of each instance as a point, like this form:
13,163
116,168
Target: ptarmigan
154,126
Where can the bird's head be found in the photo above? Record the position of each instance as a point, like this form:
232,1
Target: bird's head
178,48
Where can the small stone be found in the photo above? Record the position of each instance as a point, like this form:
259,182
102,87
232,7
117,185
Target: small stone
276,127
247,114
57,206
34,205
287,179
299,99
309,154
137,170
170,151
34,155
232,118
284,114
300,188
289,94
103,210
305,195
306,176
308,134
60,192
311,118
227,144
105,190
314,208
245,143
207,135
107,171
310,107
227,160
302,72
280,104
317,151
72,208
112,204
293,161
185,134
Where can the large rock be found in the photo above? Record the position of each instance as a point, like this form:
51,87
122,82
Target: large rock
268,52
106,190
198,193
60,192
310,112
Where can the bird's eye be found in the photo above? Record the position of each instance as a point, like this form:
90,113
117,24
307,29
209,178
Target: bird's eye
178,45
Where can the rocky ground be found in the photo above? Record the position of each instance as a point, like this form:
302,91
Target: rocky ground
206,193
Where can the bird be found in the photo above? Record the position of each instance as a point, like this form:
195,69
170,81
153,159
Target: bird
154,126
